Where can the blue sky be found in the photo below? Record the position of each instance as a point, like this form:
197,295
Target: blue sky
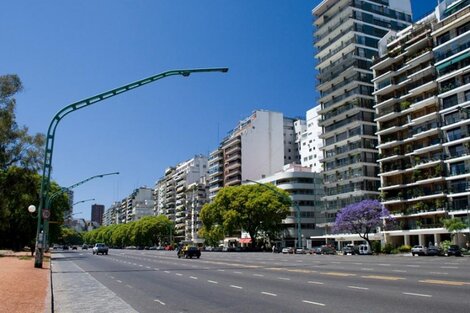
68,51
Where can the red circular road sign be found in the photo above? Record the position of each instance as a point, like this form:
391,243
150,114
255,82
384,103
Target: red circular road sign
46,214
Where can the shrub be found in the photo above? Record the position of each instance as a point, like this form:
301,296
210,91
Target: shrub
376,247
404,248
394,251
387,248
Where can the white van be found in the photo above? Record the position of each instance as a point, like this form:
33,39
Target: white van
364,249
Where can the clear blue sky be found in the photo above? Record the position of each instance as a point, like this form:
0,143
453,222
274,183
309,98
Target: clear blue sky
67,51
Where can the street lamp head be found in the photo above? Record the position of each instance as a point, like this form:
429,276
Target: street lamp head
32,209
225,70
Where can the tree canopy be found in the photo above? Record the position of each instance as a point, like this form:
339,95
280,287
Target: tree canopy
454,225
361,218
148,231
252,208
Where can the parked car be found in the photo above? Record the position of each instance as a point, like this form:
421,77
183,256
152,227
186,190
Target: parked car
453,250
100,248
74,247
350,250
418,250
433,250
65,247
327,249
315,250
365,249
288,250
300,251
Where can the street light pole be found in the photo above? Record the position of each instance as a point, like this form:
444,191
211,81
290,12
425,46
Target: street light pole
47,166
297,210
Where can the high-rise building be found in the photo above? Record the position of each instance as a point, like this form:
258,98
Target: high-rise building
309,141
97,211
346,37
180,194
138,204
423,90
257,147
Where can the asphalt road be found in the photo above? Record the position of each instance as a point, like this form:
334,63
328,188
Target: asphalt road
157,281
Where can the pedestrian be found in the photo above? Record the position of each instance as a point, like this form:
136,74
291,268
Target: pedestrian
274,249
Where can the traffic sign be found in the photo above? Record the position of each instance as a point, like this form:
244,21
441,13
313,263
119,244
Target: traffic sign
46,214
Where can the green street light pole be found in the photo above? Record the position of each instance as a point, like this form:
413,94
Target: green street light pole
297,210
83,201
47,166
44,232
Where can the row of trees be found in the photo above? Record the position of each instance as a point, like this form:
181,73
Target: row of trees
21,156
148,231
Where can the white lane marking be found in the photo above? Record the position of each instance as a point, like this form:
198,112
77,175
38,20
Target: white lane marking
258,275
112,277
221,270
383,264
412,265
438,273
119,281
179,274
416,294
129,286
237,272
161,302
147,267
234,286
453,267
283,278
157,269
192,277
316,282
367,269
399,271
357,263
166,272
311,302
212,282
141,265
269,294
355,287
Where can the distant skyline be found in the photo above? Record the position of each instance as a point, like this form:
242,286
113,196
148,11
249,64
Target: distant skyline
64,52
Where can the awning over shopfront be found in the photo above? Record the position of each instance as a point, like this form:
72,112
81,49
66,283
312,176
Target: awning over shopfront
245,240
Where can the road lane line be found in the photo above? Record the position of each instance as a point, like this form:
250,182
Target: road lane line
179,274
157,269
119,281
168,272
258,275
237,287
192,277
383,277
411,265
147,267
453,267
444,282
129,286
311,302
221,270
383,264
360,288
367,269
269,294
416,294
315,282
338,274
212,282
439,273
399,271
161,302
283,278
237,272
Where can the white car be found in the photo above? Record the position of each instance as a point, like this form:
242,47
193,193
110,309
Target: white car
288,250
100,248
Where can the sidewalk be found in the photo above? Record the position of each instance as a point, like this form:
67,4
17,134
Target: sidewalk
24,288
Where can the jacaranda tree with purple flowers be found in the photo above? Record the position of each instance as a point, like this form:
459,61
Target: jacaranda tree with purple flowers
361,218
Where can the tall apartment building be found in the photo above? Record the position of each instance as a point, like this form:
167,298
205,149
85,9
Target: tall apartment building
138,204
306,191
257,147
97,211
346,37
309,142
421,93
451,36
110,216
180,194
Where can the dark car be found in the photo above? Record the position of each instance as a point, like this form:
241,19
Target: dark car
433,250
328,249
349,250
453,250
189,252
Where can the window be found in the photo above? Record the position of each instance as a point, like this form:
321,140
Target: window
449,101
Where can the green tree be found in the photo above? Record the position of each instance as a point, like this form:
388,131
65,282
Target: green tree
70,237
454,225
252,208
